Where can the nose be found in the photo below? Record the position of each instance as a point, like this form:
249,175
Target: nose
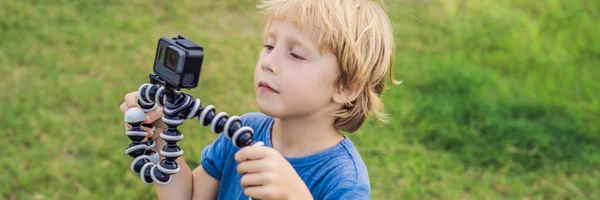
268,62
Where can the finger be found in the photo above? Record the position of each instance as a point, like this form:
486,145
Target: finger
154,115
251,166
127,127
260,192
131,100
251,153
149,131
254,179
123,108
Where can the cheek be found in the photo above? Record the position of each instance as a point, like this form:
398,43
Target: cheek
312,86
326,86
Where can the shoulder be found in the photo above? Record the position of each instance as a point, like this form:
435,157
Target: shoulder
350,163
348,171
349,190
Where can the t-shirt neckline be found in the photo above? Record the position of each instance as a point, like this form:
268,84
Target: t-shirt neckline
310,159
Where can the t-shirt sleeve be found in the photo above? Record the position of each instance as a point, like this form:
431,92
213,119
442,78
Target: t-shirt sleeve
350,190
215,155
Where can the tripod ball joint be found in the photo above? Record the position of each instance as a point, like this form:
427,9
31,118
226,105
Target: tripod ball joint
134,117
240,136
150,96
138,150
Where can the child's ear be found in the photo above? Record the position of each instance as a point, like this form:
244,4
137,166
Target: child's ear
346,94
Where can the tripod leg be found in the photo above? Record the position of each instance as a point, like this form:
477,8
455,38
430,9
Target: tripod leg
136,134
176,110
148,95
144,157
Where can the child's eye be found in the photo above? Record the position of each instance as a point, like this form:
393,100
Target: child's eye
296,56
269,47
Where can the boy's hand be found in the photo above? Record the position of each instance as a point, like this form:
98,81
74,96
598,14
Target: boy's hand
154,117
268,175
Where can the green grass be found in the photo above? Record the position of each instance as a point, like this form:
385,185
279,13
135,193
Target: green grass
500,99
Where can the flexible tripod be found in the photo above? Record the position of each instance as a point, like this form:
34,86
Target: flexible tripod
178,106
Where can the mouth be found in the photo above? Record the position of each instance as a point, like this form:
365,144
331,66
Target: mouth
263,86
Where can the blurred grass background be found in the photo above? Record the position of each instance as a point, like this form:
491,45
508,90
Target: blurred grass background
500,99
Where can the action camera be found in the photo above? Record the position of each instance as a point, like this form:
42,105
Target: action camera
178,62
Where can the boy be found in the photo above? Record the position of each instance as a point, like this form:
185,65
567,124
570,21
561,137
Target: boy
321,70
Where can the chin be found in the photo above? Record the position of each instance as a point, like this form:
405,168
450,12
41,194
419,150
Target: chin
269,109
269,105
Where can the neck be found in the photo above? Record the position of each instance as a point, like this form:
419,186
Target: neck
294,137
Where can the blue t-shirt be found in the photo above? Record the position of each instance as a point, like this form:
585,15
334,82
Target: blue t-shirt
336,173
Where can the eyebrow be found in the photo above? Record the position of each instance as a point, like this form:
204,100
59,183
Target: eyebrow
293,42
297,42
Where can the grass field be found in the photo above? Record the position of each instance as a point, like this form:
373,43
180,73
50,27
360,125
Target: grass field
500,99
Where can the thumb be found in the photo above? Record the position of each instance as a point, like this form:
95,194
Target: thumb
148,129
154,115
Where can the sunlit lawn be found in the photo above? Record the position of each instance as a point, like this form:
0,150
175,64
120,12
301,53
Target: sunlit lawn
500,99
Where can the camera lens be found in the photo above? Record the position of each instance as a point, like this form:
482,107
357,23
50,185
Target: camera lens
173,59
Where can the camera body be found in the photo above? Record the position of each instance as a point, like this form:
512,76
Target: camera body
178,62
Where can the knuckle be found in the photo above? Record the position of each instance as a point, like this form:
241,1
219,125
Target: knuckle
132,103
128,95
131,95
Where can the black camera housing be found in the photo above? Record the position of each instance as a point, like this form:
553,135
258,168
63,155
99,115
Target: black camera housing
178,62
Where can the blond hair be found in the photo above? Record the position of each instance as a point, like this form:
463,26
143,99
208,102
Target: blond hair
360,35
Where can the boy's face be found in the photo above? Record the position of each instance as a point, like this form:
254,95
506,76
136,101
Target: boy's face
291,78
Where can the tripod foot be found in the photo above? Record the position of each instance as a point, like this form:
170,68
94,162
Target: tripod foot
145,173
158,176
139,162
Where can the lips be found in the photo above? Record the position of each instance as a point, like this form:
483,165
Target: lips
264,86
